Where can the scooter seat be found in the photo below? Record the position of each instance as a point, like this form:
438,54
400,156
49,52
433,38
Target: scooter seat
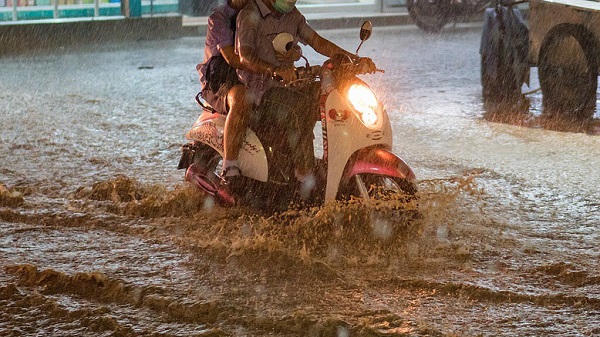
216,118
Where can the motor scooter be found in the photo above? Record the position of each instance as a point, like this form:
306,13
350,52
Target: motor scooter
357,160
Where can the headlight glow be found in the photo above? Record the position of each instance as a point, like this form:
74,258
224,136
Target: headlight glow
365,103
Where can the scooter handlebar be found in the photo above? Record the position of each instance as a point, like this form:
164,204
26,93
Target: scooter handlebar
302,74
361,65
354,65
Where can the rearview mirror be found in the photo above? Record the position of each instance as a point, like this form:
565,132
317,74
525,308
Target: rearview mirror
283,42
365,33
365,30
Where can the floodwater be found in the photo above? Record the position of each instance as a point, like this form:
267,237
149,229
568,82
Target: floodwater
100,235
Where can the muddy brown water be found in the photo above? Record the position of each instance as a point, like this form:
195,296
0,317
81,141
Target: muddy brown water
100,236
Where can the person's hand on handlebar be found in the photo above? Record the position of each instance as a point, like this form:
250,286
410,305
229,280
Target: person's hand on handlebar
285,74
366,65
292,55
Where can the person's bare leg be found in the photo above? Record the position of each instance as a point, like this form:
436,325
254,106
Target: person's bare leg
235,125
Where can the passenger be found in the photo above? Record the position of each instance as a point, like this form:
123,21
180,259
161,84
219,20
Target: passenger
221,87
257,25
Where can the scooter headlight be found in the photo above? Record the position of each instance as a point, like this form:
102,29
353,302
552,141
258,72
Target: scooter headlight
365,104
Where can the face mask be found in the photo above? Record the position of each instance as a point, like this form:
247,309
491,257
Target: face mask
284,6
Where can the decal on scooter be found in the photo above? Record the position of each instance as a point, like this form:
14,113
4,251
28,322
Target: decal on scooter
322,101
376,135
209,134
251,148
327,86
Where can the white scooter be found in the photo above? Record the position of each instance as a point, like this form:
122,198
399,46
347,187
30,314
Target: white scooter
357,161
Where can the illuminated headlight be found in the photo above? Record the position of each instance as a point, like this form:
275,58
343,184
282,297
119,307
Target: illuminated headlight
365,104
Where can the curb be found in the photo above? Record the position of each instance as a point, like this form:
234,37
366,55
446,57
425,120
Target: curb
52,34
196,26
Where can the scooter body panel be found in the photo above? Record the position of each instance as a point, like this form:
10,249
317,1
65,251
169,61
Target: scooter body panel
209,128
350,136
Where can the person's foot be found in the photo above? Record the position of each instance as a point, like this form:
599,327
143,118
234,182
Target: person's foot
231,180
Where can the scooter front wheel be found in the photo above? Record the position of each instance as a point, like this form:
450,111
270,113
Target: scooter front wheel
391,203
373,187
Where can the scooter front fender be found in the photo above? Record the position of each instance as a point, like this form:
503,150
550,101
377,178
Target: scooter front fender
377,161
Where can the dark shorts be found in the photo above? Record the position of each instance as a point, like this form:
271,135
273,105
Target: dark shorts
218,100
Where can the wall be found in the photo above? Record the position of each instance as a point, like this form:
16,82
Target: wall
16,38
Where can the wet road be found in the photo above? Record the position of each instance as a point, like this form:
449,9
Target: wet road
99,235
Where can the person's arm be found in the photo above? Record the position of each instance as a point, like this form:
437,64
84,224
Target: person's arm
250,60
231,57
330,49
325,47
219,27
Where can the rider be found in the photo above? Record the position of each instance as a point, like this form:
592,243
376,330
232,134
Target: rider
257,24
221,87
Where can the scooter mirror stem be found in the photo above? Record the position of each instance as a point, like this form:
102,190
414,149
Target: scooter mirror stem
360,45
306,60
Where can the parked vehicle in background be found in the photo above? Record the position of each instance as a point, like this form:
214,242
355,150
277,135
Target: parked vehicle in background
564,44
505,62
432,15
